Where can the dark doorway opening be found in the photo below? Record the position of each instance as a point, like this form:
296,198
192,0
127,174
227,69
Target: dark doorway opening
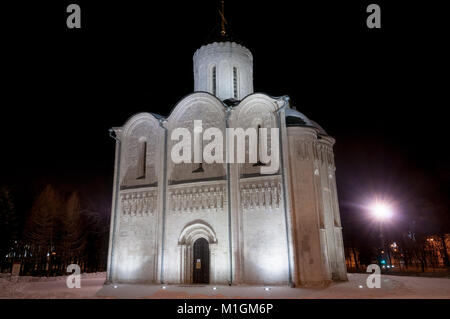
201,261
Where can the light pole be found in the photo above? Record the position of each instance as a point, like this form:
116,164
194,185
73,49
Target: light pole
382,212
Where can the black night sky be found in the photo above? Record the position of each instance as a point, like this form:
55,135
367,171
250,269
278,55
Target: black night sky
381,93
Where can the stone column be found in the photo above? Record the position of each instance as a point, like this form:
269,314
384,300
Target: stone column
115,213
340,253
286,191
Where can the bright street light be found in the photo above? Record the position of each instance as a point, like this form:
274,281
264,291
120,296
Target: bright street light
381,211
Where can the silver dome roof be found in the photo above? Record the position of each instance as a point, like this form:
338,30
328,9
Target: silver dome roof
299,119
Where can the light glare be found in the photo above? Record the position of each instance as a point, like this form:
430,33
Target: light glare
381,211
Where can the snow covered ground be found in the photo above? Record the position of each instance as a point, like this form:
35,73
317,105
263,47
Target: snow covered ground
32,287
92,287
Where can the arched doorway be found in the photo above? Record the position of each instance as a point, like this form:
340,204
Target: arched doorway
197,236
201,262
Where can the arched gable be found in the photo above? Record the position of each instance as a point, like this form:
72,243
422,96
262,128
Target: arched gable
255,107
185,106
141,144
256,110
211,111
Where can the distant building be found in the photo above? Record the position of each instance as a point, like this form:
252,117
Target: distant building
427,253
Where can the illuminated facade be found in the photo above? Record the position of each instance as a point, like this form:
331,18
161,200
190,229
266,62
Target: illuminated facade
225,223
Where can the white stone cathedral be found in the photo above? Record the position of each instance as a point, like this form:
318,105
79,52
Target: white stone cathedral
225,223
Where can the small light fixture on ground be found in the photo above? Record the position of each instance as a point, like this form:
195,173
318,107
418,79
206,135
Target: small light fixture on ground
267,289
164,287
115,286
360,286
214,288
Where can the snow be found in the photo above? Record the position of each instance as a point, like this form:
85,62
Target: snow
92,286
51,287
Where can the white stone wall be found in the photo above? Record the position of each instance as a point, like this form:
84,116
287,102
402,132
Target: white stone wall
329,207
158,218
265,259
136,236
316,224
198,205
223,56
260,239
135,223
196,200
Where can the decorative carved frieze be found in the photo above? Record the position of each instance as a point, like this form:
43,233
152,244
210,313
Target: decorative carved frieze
198,197
303,150
323,153
318,151
139,203
263,194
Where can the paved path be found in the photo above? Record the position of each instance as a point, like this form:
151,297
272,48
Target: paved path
92,287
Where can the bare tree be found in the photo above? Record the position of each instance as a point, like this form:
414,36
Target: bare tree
9,230
73,239
42,227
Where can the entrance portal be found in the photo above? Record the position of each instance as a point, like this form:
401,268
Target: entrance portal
201,262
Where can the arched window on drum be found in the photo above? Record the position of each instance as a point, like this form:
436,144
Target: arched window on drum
214,80
235,83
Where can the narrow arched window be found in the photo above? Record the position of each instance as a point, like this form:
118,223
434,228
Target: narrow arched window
235,82
142,160
214,79
258,148
200,166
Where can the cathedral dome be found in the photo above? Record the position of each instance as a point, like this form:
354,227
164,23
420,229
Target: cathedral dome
295,118
223,66
224,69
